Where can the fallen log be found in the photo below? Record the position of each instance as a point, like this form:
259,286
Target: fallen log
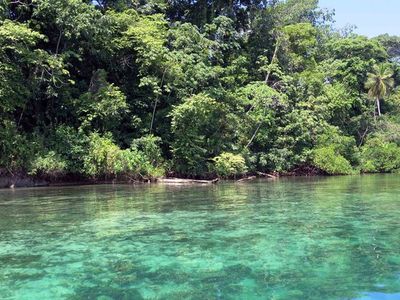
186,181
247,179
267,175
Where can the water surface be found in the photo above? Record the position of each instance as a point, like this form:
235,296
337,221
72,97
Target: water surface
315,238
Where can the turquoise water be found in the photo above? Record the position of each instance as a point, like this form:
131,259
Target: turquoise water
316,238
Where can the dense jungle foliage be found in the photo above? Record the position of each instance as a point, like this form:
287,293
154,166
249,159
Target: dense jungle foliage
141,88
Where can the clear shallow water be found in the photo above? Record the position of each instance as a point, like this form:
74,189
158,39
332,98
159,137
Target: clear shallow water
318,238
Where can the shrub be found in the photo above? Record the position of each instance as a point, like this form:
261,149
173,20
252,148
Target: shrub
389,130
133,164
48,165
328,160
229,165
72,145
280,160
342,144
105,159
380,156
100,157
16,149
149,146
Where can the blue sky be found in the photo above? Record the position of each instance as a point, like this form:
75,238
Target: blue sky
372,17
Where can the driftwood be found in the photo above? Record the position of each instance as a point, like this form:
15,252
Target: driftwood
186,181
267,175
260,174
247,179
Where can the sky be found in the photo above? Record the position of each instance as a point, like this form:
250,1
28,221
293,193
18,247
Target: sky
372,17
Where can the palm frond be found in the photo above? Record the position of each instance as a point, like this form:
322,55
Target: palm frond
380,82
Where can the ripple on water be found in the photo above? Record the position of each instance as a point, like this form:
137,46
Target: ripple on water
318,238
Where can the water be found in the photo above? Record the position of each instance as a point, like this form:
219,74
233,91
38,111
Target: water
316,238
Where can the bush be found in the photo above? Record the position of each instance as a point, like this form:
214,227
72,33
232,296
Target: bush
389,130
149,146
100,158
133,164
106,160
280,160
16,148
48,165
380,156
229,165
72,145
328,160
342,144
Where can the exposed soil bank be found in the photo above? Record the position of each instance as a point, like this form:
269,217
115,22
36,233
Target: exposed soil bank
22,179
17,181
27,181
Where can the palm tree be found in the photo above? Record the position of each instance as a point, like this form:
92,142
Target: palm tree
379,83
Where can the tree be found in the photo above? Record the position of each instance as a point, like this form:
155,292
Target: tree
103,107
16,55
379,84
392,45
349,59
202,129
259,78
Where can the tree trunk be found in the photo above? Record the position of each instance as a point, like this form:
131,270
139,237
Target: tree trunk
258,128
378,106
277,44
156,101
58,42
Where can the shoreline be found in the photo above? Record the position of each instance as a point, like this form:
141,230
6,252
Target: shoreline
43,184
26,181
10,182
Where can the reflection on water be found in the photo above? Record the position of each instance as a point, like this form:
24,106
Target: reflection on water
316,238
